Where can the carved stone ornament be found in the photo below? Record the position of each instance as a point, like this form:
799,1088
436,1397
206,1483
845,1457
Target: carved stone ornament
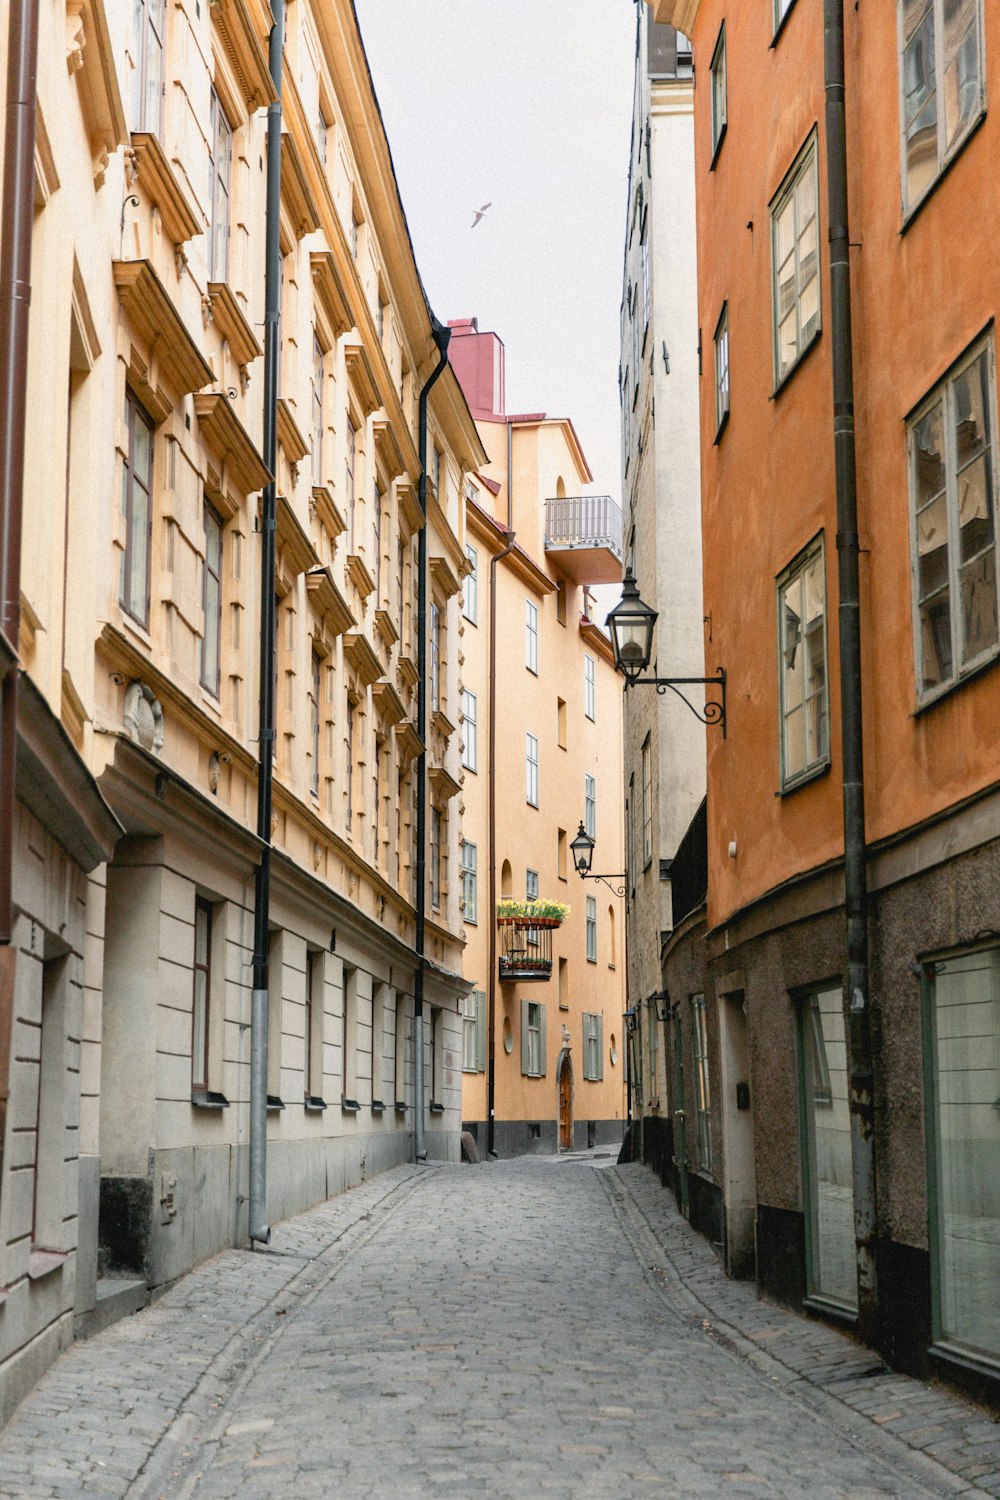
143,717
213,773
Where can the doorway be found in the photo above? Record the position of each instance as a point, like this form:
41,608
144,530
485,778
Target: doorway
565,1103
739,1177
680,1118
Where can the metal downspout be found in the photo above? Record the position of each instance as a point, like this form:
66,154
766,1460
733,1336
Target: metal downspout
441,336
860,1067
491,1018
16,213
260,1230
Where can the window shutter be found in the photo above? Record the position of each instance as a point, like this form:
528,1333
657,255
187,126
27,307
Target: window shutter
524,1036
600,1048
541,1042
480,1031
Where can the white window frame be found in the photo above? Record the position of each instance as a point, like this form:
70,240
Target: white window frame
531,768
470,730
590,805
647,802
781,9
470,586
591,930
945,152
531,636
470,882
147,78
434,863
220,166
593,1047
944,394
590,687
720,343
435,634
474,1032
817,757
805,162
702,1082
534,1031
720,103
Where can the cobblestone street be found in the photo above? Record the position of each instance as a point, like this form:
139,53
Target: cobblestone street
529,1328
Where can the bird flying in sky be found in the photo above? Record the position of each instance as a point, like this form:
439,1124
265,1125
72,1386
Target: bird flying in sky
479,213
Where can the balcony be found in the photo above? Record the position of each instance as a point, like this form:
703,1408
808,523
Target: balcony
525,931
583,538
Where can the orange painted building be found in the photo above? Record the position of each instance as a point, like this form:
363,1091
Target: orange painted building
924,211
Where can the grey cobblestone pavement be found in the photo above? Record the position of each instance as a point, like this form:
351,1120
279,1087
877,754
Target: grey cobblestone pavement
534,1328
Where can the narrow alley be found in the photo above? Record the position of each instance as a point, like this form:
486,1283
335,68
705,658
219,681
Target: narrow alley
540,1327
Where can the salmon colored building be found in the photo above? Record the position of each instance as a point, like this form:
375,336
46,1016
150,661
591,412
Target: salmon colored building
854,1126
543,1062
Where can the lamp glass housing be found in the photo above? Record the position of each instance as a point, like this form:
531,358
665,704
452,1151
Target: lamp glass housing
583,851
631,623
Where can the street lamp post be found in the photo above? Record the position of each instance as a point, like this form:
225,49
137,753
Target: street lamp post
631,623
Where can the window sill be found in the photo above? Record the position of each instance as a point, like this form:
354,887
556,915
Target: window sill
136,627
794,368
377,1107
612,966
349,1106
591,960
313,1105
435,1108
954,687
836,1312
44,1262
208,1099
781,25
210,701
913,213
563,1005
274,1104
718,146
807,777
971,1360
400,1106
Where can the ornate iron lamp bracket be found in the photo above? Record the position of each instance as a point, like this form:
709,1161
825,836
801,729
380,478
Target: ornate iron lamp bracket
714,711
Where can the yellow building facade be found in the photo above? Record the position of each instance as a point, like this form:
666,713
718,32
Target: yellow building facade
542,735
140,624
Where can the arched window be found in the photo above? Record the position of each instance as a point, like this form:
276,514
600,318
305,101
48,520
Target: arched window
506,879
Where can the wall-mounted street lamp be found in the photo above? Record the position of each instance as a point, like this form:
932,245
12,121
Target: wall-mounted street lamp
631,1020
631,623
661,999
583,852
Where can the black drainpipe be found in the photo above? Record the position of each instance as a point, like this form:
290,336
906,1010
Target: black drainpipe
16,216
259,1228
441,336
860,1067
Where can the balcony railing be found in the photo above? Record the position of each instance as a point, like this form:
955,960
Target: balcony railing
525,950
585,533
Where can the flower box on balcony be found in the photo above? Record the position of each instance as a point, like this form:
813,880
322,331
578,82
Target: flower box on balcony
526,939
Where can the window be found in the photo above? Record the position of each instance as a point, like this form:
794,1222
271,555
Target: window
147,77
377,542
941,84
591,930
561,848
645,276
137,485
531,885
635,346
963,1097
781,9
350,463
589,687
435,860
630,861
719,104
399,1079
826,1148
531,768
349,777
795,263
470,587
952,461
211,600
647,802
322,136
561,601
312,1042
435,657
315,690
401,580
702,1086
593,1047
654,1047
804,694
436,471
349,1039
202,998
532,1039
317,412
470,752
590,806
561,723
474,1032
722,369
531,636
219,167
469,879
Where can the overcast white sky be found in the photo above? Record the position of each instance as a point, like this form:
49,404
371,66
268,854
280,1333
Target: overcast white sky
526,104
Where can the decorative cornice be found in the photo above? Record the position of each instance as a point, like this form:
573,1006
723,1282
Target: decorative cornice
244,50
409,673
163,188
409,745
386,627
328,602
388,454
358,652
443,577
294,549
411,517
326,512
289,434
168,345
362,377
329,290
90,54
229,319
356,572
443,784
388,703
295,189
441,724
229,440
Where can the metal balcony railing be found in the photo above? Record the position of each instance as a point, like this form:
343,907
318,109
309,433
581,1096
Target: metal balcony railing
584,521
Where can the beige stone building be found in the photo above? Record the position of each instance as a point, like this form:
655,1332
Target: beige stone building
541,731
126,1151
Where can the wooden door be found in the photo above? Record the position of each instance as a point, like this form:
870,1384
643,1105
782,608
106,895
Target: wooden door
565,1106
